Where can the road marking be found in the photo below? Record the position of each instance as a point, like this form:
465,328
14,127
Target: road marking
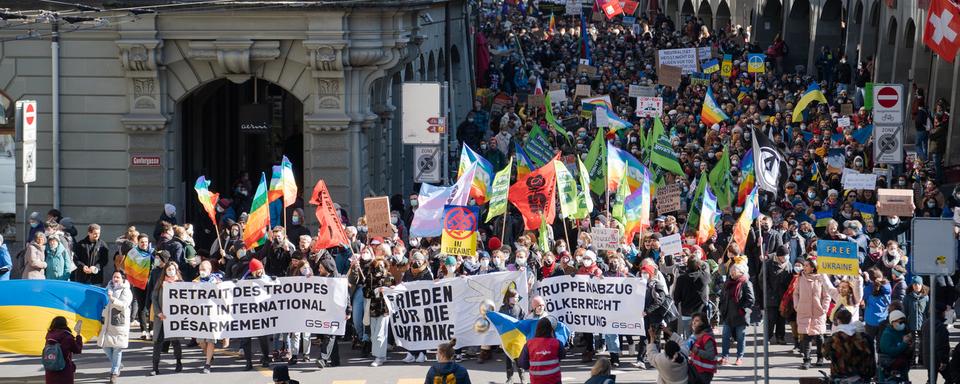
349,382
266,372
409,381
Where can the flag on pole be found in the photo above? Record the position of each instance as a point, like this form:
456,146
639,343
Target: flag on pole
482,177
207,199
597,165
255,231
617,210
812,94
633,206
867,211
498,192
663,156
534,195
751,210
275,192
545,235
711,113
585,39
621,165
538,147
428,218
708,213
584,201
539,89
551,120
330,231
748,180
942,31
524,165
769,163
553,24
720,181
289,182
566,190
694,216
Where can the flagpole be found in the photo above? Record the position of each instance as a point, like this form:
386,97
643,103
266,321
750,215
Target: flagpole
503,229
566,235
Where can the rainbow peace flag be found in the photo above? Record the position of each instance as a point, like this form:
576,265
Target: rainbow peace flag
553,23
637,209
255,232
708,213
275,192
613,121
283,184
28,306
711,113
207,199
524,165
137,267
622,165
751,210
749,177
481,179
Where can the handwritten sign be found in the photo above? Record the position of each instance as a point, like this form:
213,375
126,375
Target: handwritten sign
843,122
671,245
669,75
649,106
557,96
683,58
588,69
895,202
377,210
856,180
668,199
583,90
605,239
639,90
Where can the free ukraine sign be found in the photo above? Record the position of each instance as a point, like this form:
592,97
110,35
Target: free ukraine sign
460,230
837,258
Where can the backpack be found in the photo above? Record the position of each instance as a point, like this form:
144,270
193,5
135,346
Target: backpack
445,379
52,357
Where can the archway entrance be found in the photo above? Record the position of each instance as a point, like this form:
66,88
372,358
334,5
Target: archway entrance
214,145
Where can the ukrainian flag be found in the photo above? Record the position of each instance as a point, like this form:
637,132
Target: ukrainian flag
823,217
867,211
711,66
28,306
515,333
813,94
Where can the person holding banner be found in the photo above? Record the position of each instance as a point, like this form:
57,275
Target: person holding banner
511,308
171,274
378,278
256,272
418,271
205,274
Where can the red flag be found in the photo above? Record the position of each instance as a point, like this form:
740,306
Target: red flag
535,194
330,231
610,8
630,7
942,32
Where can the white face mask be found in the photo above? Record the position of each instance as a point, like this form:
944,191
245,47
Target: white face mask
451,269
171,272
393,220
366,257
521,262
587,263
204,274
485,263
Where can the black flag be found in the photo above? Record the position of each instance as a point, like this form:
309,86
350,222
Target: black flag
769,163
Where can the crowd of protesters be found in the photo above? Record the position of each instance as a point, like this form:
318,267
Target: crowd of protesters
867,326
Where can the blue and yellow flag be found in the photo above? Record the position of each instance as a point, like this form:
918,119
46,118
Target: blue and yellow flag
812,94
867,211
711,66
823,217
515,333
28,306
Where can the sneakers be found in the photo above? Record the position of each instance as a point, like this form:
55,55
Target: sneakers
509,380
321,363
739,362
154,372
639,365
422,357
143,335
206,368
805,365
409,358
723,361
819,362
377,362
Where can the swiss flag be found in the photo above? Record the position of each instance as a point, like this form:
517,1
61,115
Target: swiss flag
942,33
610,8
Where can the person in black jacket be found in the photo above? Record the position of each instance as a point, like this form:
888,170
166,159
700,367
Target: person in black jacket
168,217
736,303
276,255
692,291
941,345
778,275
510,307
90,256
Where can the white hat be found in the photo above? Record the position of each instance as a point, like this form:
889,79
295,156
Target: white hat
896,315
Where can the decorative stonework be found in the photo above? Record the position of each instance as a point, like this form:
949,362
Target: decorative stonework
139,55
144,123
322,126
236,57
328,91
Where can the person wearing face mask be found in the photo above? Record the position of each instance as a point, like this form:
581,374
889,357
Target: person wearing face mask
115,333
378,278
895,349
941,342
277,253
811,301
549,267
400,228
36,225
205,274
397,262
410,209
296,227
232,242
450,268
356,277
511,307
891,228
255,271
794,241
776,275
171,274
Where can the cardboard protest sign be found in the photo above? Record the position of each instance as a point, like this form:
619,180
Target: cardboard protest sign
895,202
846,109
557,96
377,210
669,75
535,101
683,58
583,90
251,308
668,199
588,69
837,258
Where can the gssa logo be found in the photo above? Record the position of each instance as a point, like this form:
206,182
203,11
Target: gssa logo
321,324
622,325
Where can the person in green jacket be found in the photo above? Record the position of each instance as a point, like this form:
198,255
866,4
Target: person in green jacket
58,261
896,348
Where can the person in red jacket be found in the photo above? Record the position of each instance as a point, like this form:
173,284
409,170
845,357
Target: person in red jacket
69,344
542,354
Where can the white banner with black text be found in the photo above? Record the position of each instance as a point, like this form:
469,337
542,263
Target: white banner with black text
611,305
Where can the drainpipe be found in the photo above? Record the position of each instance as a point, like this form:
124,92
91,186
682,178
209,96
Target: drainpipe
55,107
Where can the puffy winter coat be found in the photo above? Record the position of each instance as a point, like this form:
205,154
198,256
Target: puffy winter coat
59,263
115,332
811,301
34,263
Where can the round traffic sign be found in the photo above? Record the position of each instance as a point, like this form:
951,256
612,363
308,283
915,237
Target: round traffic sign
888,97
29,113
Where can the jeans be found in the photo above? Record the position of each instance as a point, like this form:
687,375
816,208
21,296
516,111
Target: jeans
922,138
740,334
937,159
378,334
114,354
612,342
358,314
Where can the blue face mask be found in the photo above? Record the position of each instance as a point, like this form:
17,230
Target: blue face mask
899,326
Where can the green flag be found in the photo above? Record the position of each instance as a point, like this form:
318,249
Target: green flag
618,212
584,200
498,192
665,157
566,190
694,215
720,181
653,137
597,165
545,237
548,108
538,147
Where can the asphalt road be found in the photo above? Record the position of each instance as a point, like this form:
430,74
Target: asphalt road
228,368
